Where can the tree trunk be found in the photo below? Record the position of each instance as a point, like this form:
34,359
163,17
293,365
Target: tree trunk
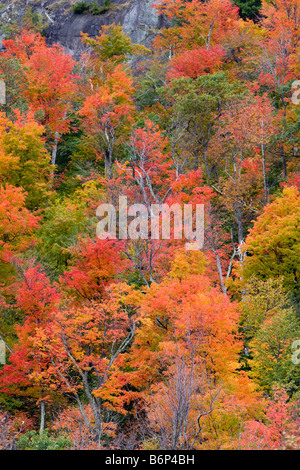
42,424
207,168
108,164
53,158
219,269
266,191
239,222
283,162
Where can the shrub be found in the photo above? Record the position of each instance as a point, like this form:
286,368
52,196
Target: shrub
95,9
80,7
32,440
83,7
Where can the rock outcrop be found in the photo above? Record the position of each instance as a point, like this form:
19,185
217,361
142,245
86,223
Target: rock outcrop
137,17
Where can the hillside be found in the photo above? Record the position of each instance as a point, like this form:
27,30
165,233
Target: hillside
63,26
149,227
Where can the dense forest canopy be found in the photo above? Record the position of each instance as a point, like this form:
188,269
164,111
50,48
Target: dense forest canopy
140,342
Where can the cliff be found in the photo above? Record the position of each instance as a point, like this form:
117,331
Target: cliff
62,25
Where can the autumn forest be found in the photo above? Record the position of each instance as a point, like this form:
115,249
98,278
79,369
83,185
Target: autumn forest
140,343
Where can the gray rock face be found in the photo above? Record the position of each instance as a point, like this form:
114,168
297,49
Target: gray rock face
138,18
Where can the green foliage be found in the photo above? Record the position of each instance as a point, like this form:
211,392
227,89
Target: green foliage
63,221
29,167
31,440
193,110
95,9
34,20
83,7
261,299
273,244
80,7
269,325
113,44
12,73
272,354
249,9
